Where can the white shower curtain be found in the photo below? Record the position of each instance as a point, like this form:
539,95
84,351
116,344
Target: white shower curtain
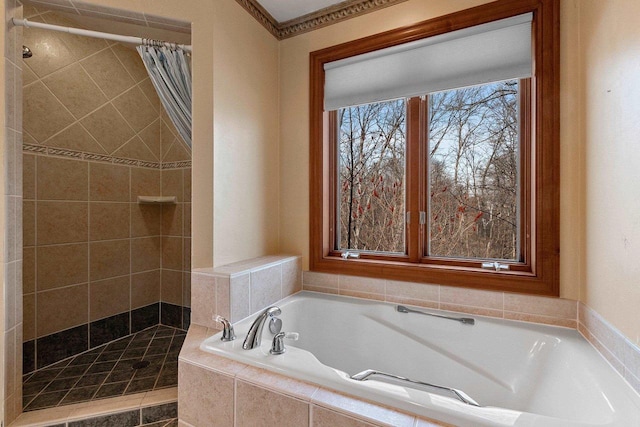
171,76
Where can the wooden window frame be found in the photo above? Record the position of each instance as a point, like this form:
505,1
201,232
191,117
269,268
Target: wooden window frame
539,273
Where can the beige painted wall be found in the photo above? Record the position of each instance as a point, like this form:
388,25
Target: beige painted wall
242,106
610,47
294,124
245,118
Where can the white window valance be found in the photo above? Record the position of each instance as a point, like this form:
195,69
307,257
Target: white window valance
495,51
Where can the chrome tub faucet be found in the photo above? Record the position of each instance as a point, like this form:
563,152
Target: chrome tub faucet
254,336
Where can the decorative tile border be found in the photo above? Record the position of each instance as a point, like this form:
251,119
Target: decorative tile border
340,12
81,155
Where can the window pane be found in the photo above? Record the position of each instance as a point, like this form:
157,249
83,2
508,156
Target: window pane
371,177
474,172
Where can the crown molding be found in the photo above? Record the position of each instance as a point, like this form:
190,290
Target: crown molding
339,12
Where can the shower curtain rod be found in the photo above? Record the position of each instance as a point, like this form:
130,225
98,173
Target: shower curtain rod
97,34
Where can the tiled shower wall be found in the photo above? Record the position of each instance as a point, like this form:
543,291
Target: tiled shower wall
98,265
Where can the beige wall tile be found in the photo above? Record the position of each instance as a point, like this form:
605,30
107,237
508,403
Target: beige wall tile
186,254
187,220
108,127
240,291
28,76
135,149
362,284
172,224
177,152
108,182
61,265
146,86
281,410
49,53
109,221
144,182
277,383
265,287
172,253
186,289
61,222
75,89
199,388
145,254
480,311
471,297
145,220
554,307
172,184
61,309
187,184
107,71
413,291
29,317
61,179
29,223
130,59
109,259
291,276
223,297
108,297
76,138
28,177
321,417
322,290
29,269
80,46
145,288
39,102
203,300
171,287
536,318
361,409
151,138
9,359
136,109
323,280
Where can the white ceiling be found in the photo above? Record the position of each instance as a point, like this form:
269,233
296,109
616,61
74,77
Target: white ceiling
284,10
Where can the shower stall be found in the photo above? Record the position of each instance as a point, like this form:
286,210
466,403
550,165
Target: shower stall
106,215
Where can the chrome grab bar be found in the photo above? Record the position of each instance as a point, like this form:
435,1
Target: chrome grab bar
464,320
460,395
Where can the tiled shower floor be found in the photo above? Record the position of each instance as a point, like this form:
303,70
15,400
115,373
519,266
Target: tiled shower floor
108,370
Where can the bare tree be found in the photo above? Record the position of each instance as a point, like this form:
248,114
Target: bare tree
473,174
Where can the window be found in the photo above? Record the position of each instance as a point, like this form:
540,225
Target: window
441,169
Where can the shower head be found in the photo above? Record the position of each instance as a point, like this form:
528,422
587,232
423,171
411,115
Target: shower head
26,52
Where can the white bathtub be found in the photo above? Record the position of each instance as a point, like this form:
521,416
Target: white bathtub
520,374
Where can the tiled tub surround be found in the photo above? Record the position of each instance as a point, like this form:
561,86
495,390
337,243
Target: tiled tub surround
619,351
108,371
241,389
216,391
237,290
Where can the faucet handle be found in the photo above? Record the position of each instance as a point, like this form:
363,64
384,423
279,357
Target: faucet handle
227,329
277,346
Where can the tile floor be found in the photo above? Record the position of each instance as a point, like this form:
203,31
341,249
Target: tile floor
108,370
